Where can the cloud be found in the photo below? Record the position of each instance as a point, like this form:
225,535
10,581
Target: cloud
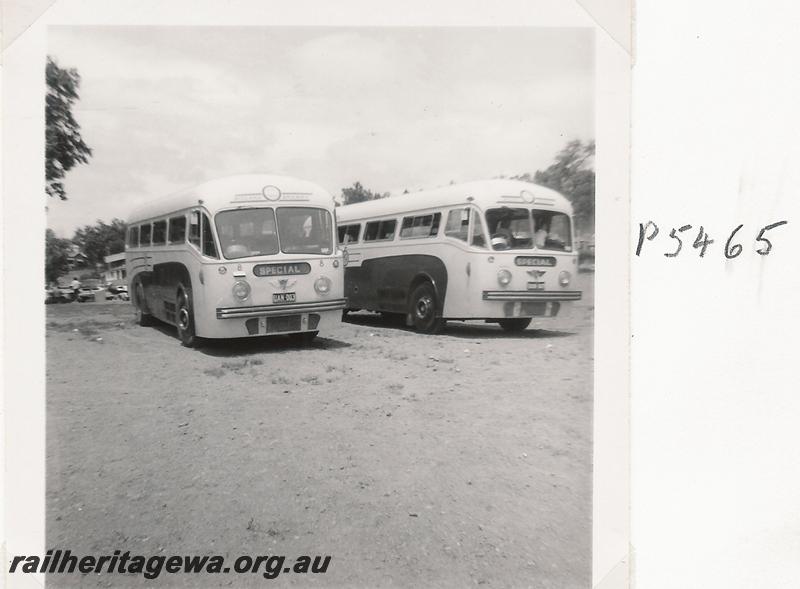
168,107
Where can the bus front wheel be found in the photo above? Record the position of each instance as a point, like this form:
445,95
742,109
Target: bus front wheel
514,325
423,310
185,319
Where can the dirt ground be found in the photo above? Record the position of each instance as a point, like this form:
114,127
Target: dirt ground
414,461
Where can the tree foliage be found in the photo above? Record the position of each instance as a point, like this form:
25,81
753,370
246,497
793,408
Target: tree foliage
64,146
357,193
100,240
572,174
56,254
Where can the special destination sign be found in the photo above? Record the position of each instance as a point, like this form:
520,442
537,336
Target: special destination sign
535,261
289,269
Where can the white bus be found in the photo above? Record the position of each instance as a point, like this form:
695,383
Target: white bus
498,250
236,257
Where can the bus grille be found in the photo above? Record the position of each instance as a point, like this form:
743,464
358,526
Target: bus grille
281,323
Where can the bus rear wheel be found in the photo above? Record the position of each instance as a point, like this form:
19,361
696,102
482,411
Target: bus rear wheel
514,325
143,318
184,319
423,310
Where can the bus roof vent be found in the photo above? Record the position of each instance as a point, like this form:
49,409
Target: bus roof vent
248,197
296,196
543,200
272,194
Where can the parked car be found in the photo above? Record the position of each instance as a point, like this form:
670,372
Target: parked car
58,294
119,290
89,290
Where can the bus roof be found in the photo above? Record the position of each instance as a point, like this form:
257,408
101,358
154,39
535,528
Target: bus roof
243,190
484,194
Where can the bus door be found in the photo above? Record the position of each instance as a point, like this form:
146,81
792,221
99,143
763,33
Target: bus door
463,225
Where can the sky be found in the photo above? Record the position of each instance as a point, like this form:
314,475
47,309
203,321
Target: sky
165,108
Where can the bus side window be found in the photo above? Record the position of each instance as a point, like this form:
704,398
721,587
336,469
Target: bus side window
160,232
144,234
437,220
457,225
380,230
133,236
350,233
478,239
209,247
371,232
420,226
177,229
194,228
386,230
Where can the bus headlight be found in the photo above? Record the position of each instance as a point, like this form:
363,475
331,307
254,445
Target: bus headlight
322,285
241,290
564,278
503,277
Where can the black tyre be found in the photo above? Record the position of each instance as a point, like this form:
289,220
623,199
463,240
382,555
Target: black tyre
424,310
514,325
184,318
143,318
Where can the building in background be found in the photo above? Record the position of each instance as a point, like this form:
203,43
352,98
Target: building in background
115,267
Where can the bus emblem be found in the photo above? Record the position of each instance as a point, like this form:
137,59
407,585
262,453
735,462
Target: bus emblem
536,273
283,283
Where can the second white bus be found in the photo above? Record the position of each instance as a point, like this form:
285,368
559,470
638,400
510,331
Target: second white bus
498,250
237,257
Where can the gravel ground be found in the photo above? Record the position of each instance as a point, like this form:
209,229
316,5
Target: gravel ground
413,461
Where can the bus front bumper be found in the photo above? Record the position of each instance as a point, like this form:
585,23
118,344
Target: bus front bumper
273,310
531,295
526,303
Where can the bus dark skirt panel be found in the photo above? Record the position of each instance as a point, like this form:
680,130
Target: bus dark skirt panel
161,288
385,284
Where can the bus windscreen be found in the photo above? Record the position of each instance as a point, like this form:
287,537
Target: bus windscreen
257,232
518,228
247,232
305,230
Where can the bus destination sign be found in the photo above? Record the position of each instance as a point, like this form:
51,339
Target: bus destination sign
288,269
535,261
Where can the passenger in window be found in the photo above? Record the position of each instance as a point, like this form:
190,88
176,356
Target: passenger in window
307,228
541,237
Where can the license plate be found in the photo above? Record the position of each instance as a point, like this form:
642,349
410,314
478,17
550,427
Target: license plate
284,297
536,285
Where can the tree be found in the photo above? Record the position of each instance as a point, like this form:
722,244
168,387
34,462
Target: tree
357,193
56,254
100,240
64,146
572,175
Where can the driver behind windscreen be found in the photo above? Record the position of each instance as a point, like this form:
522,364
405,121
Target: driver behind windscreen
502,236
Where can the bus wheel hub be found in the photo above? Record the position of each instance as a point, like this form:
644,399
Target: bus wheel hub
423,307
183,318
